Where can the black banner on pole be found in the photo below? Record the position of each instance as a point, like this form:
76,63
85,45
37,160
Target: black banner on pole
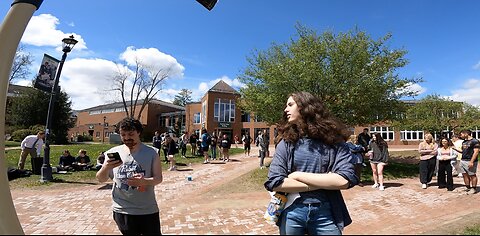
46,75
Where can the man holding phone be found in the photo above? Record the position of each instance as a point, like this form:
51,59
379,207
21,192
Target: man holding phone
135,169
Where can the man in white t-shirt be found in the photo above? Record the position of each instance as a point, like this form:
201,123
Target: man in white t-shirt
32,144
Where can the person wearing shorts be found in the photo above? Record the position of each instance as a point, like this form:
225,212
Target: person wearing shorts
469,161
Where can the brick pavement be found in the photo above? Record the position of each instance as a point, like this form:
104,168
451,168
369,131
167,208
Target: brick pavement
191,207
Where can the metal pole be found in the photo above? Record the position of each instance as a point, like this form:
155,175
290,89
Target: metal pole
46,168
11,31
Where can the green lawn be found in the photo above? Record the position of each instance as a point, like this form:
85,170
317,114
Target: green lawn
80,177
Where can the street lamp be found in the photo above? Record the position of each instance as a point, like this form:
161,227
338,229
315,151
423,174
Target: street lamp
103,129
68,44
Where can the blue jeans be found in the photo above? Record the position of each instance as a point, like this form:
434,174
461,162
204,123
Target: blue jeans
311,219
214,152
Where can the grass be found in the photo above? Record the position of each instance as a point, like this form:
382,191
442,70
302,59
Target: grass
473,230
79,177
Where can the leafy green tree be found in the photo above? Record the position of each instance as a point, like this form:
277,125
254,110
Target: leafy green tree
31,108
353,74
432,113
183,97
435,114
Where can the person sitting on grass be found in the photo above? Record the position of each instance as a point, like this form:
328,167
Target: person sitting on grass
100,160
82,162
66,161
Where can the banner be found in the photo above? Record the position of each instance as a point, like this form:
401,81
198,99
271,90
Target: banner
46,75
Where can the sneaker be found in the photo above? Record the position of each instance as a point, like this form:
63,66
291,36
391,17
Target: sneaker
375,186
471,191
205,162
424,186
381,188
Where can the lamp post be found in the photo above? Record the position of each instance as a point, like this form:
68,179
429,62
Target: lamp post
68,44
103,129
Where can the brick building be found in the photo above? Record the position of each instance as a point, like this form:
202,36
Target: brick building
99,122
217,112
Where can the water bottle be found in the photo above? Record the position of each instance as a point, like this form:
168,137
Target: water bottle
275,206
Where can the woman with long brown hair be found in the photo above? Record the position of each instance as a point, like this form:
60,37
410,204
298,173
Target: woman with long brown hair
311,159
378,153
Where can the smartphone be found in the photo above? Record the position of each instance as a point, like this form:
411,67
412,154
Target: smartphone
114,156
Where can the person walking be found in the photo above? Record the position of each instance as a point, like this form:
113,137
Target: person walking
193,144
262,148
135,208
213,146
445,155
378,154
469,162
311,159
226,144
171,148
205,144
428,152
157,142
183,144
247,142
30,145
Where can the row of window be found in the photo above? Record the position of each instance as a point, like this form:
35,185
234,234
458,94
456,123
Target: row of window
112,110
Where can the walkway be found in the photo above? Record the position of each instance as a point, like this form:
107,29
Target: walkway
190,207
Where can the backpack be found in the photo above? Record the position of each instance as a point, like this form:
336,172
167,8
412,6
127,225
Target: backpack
209,139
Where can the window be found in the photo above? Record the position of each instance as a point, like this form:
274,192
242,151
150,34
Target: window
94,112
245,117
476,134
196,118
162,121
411,135
224,110
258,119
97,134
387,133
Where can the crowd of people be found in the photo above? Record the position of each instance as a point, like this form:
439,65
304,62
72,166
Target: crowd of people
315,158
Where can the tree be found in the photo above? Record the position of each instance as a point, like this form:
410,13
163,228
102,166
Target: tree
432,113
435,114
183,97
21,64
31,108
354,75
139,87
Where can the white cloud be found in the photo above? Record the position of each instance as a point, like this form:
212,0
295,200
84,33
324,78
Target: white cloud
153,58
413,88
477,66
42,31
86,81
470,92
203,87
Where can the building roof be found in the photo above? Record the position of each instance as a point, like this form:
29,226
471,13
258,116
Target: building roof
15,90
222,87
139,102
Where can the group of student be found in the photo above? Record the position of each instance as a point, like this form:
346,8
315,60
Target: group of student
82,162
449,157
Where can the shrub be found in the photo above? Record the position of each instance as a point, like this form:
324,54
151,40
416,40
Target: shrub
20,134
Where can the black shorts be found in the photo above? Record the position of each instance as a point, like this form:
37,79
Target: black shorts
205,149
138,224
246,147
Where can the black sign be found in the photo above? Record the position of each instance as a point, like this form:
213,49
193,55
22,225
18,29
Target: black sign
224,125
46,74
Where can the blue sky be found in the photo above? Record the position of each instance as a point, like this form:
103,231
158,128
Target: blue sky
441,37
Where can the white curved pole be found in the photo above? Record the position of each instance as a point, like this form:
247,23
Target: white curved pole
11,31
